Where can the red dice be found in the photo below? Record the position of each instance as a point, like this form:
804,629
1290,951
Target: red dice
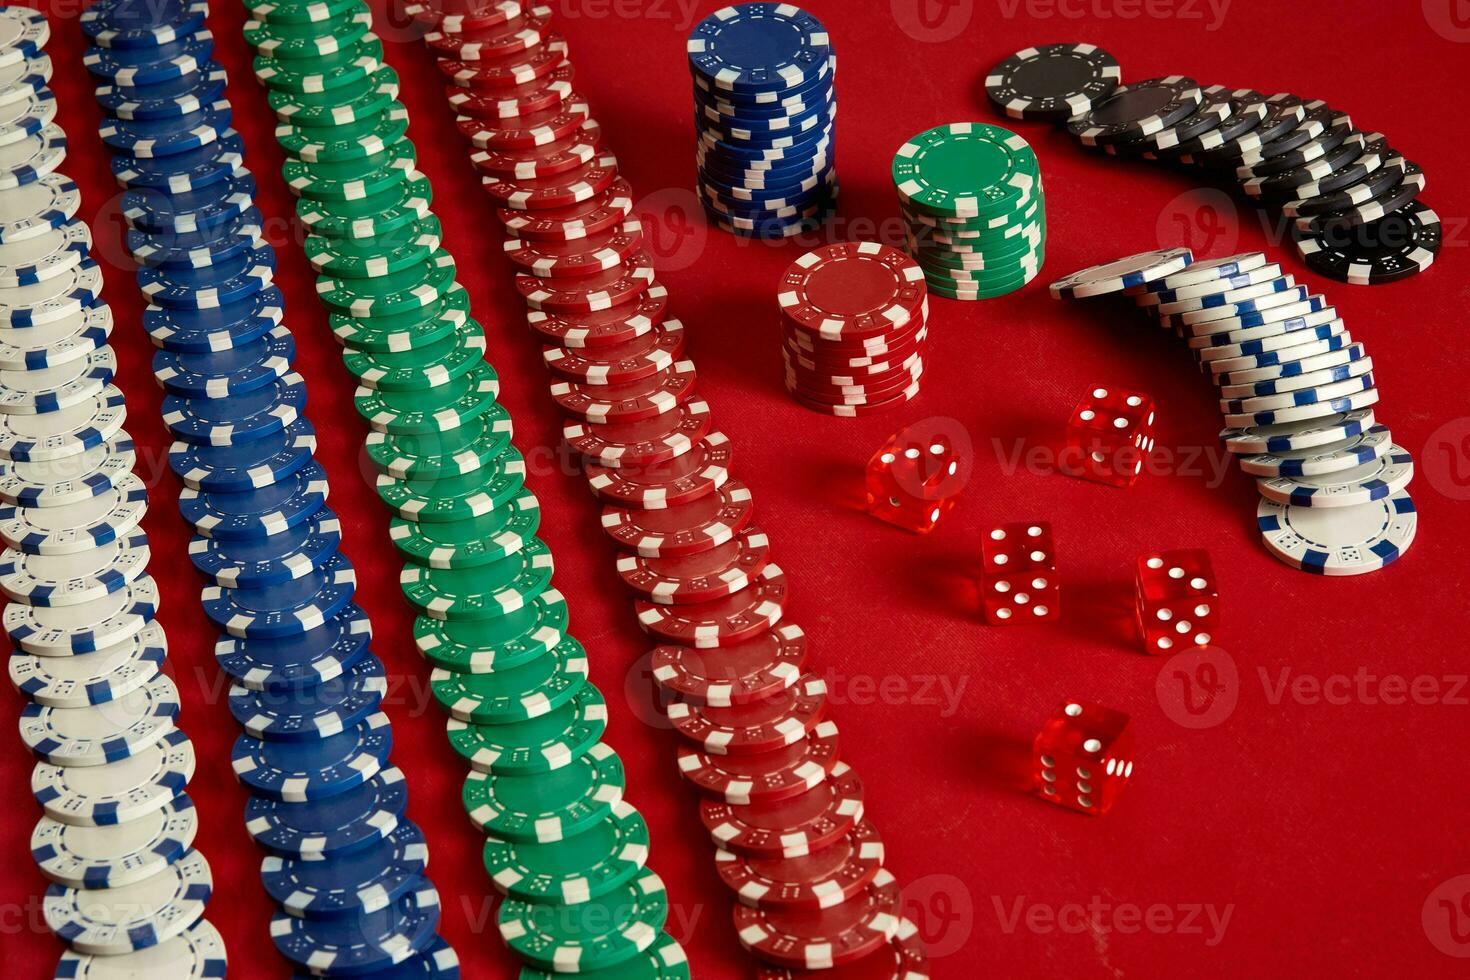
1018,583
1110,435
1178,604
915,479
1084,757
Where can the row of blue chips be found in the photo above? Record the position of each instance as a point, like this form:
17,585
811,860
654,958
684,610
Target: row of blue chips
346,866
117,831
765,112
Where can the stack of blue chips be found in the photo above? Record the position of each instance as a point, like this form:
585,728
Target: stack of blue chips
765,113
346,866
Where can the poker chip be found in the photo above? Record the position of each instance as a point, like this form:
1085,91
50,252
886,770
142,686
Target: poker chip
623,283
574,870
175,98
34,260
551,807
297,662
23,33
102,733
247,466
827,937
192,170
300,715
597,214
131,917
1053,82
362,883
120,791
117,854
67,580
1395,247
79,526
1382,476
31,158
36,207
740,673
539,745
1123,274
299,771
251,365
330,827
818,880
91,678
792,827
361,944
766,778
482,592
55,483
753,727
714,574
1338,541
196,953
680,529
647,442
730,619
125,25
631,401
591,935
273,508
902,956
620,364
514,693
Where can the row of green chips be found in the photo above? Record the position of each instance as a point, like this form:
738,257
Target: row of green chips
974,209
563,847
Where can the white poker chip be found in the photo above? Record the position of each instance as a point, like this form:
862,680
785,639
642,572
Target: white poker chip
1300,435
27,161
1380,477
101,733
1200,320
1339,540
56,631
112,921
1274,363
67,580
1302,413
96,796
1321,460
79,526
1294,317
1263,342
55,482
53,298
1115,277
91,678
1204,273
35,208
23,33
1283,375
20,78
117,854
1335,388
56,343
22,117
196,954
47,389
1218,292
34,260
65,432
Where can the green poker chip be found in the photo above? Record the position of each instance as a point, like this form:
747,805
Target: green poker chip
444,407
374,216
400,292
575,869
952,290
494,644
483,592
664,960
517,693
558,805
477,541
352,102
333,144
541,745
459,497
965,170
417,368
299,11
432,455
321,75
594,935
352,179
314,39
362,258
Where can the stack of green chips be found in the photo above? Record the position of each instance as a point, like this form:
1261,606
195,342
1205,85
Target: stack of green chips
975,212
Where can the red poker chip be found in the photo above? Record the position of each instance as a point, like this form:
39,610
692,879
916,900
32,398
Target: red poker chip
641,443
819,880
639,358
519,100
642,399
819,939
849,382
902,958
859,410
756,669
583,257
765,778
681,482
852,290
530,130
454,15
489,43
556,157
517,69
613,287
602,328
788,828
683,529
855,394
557,190
577,221
855,363
730,619
882,343
754,727
712,574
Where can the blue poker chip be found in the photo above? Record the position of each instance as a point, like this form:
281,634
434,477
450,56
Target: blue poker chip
149,66
299,662
193,170
295,716
332,827
257,513
353,885
789,153
230,421
232,281
758,47
145,24
437,961
295,772
27,116
772,126
200,249
228,372
247,466
23,33
814,129
158,138
361,944
217,329
167,100
260,562
190,211
286,609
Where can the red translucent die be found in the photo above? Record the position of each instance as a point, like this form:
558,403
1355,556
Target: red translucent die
1084,757
1178,603
1109,436
915,479
1018,582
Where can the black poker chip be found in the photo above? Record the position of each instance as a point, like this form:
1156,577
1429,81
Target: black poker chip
1248,110
1377,182
1285,113
1400,245
1339,131
1333,165
1053,82
1408,189
1135,111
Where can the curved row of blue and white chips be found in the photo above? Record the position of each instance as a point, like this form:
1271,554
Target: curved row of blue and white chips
1298,395
117,831
325,802
764,115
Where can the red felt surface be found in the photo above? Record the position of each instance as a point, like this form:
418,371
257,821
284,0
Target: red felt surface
1319,823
